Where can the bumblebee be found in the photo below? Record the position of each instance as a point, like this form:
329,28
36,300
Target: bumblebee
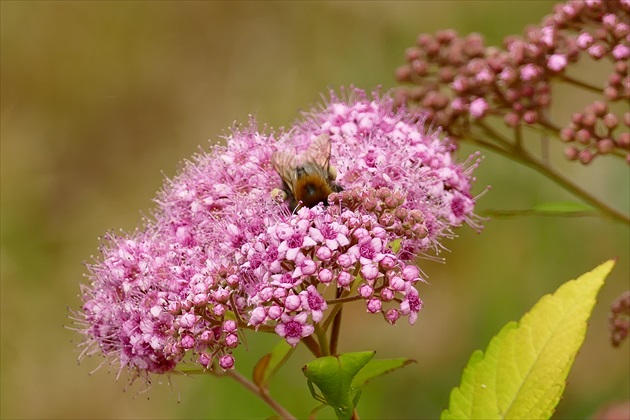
307,179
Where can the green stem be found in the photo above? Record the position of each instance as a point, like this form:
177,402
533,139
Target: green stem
323,340
579,83
344,299
518,136
333,313
312,345
263,394
334,335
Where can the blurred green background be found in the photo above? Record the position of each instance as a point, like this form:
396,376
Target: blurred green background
100,100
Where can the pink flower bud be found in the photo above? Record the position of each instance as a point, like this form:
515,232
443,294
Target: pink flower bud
387,294
325,276
231,340
621,52
392,316
344,279
188,341
365,291
374,306
292,302
205,360
557,62
229,326
397,283
274,312
478,108
411,273
369,272
187,320
226,362
258,316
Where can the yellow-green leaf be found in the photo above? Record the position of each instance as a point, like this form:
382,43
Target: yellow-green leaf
523,371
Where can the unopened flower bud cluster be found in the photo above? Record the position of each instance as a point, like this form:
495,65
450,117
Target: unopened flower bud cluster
458,81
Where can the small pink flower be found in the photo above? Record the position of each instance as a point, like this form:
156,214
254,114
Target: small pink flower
294,328
312,301
411,305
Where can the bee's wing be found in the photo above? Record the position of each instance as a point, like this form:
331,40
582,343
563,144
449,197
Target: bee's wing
319,152
284,164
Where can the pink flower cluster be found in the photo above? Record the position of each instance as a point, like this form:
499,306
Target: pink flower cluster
221,254
458,81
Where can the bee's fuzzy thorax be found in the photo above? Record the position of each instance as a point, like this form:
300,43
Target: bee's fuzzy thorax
312,190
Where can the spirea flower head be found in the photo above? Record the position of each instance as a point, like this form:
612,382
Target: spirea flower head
221,253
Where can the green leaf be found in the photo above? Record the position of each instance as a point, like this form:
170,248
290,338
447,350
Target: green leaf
395,245
552,208
523,371
562,207
334,376
378,367
270,363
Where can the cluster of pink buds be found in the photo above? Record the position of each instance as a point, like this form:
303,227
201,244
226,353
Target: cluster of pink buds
458,83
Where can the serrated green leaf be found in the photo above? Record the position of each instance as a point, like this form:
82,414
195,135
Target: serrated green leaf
523,371
378,367
270,362
333,375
